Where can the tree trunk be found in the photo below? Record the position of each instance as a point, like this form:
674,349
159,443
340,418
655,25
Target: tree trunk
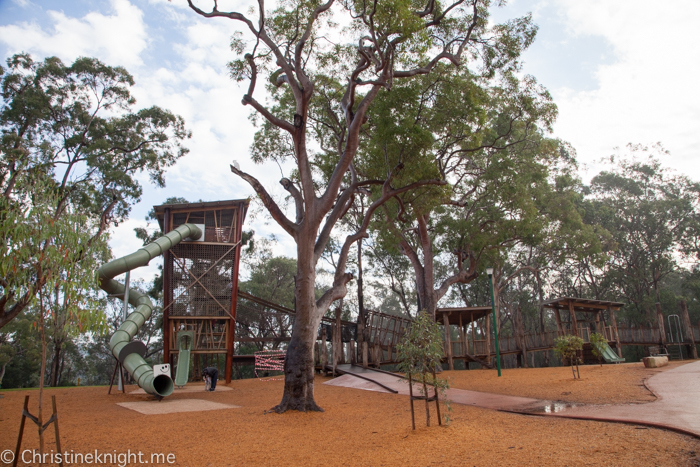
56,365
361,318
299,362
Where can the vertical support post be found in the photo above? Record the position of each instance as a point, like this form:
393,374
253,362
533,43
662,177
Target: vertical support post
353,355
55,427
410,396
689,336
234,292
21,430
574,322
337,341
448,342
167,290
365,354
125,312
487,335
520,329
473,334
495,327
324,352
462,337
560,326
660,320
613,322
597,324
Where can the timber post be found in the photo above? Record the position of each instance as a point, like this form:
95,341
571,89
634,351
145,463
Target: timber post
660,321
365,354
689,336
448,342
560,326
323,351
613,322
520,329
574,322
337,342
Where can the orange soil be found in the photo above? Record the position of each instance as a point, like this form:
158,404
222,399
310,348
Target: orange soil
365,428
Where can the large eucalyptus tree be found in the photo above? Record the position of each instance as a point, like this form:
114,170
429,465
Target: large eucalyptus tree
316,70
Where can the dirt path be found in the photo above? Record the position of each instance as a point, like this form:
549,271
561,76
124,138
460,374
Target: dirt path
361,427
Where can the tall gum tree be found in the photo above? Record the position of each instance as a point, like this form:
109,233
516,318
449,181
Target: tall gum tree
389,41
72,129
488,143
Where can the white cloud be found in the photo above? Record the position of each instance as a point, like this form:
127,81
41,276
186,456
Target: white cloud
117,38
124,242
649,93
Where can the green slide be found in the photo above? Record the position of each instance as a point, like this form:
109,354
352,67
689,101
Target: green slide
130,353
609,354
184,346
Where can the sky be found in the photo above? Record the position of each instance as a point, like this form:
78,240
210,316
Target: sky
623,71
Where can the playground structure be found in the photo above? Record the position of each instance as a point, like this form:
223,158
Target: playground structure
200,284
468,335
205,316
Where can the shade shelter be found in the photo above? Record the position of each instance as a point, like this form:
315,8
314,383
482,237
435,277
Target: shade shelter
465,317
593,310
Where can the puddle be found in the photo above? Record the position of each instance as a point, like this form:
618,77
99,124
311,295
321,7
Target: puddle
550,407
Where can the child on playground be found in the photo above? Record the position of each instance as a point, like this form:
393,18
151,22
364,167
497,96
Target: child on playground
212,374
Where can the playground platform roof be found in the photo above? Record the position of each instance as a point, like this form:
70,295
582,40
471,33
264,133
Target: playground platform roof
467,313
202,206
581,304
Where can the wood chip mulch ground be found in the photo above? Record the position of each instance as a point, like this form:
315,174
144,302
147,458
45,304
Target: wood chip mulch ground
366,428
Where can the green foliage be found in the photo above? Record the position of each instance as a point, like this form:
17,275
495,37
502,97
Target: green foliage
420,349
41,252
651,214
70,147
598,340
420,353
568,347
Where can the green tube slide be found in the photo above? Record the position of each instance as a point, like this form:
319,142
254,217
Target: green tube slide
129,353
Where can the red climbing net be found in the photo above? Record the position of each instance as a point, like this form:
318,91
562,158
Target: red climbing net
267,361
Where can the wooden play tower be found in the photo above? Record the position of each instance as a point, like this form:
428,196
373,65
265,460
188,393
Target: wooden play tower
200,281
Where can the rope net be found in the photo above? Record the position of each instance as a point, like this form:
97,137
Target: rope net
267,361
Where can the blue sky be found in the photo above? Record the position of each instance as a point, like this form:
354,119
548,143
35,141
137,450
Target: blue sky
620,71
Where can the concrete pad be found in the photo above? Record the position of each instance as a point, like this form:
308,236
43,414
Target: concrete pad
175,406
655,362
458,396
187,389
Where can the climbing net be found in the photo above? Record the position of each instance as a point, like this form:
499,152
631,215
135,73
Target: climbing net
267,361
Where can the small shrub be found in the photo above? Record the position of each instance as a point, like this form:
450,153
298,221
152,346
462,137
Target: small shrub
420,353
568,347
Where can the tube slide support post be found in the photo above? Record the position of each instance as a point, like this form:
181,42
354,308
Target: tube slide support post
125,312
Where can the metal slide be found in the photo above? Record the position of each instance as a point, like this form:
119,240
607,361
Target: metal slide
609,354
130,353
184,345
